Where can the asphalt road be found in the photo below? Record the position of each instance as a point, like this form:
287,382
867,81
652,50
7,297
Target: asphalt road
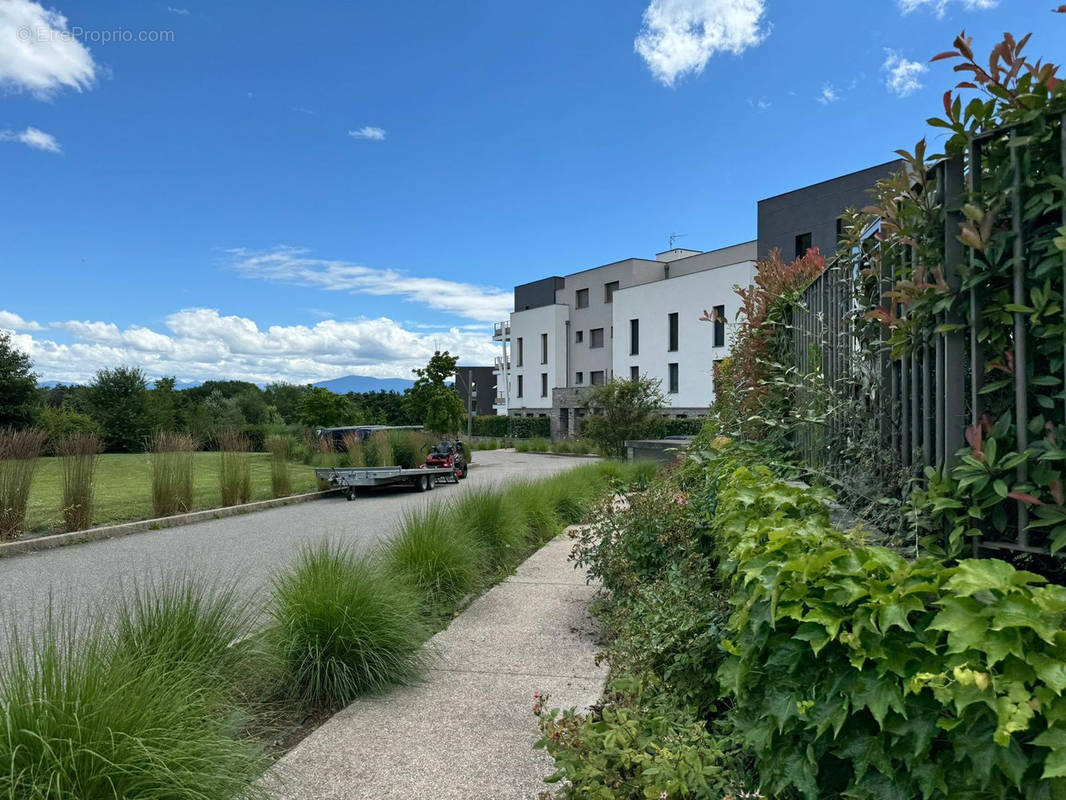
246,549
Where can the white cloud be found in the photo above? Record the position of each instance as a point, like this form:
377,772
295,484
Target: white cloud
11,321
38,53
184,12
940,7
295,265
369,132
829,95
679,37
762,103
902,77
31,137
201,343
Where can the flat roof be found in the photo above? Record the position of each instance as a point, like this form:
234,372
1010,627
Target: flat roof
832,180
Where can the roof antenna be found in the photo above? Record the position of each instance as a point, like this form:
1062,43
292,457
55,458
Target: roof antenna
674,237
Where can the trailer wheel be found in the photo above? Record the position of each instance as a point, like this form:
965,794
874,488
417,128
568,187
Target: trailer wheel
432,482
350,495
460,473
422,483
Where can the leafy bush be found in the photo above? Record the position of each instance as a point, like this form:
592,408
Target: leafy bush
79,454
234,468
435,555
409,448
171,464
504,427
639,744
83,717
18,462
280,448
344,626
61,423
857,673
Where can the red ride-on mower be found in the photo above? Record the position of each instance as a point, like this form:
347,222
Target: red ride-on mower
449,455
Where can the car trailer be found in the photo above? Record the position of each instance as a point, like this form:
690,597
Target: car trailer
352,478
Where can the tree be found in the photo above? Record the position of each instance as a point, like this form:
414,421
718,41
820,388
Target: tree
119,401
620,410
163,405
321,408
18,386
285,397
431,400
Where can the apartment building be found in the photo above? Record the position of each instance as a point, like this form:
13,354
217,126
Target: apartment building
642,316
632,317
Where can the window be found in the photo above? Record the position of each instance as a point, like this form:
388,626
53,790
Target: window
634,373
582,298
544,348
544,384
803,244
520,356
672,324
596,337
608,291
519,382
719,326
579,377
596,378
579,337
673,378
634,337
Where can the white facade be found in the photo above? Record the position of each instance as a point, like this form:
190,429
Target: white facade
688,296
538,356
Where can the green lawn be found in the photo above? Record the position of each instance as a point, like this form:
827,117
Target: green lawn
123,488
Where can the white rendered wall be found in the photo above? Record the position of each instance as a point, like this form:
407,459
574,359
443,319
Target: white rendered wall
528,326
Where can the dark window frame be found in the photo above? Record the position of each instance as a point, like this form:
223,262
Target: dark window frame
579,295
719,326
592,338
673,332
673,372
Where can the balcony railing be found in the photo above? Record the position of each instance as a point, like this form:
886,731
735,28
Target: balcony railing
501,331
500,400
502,364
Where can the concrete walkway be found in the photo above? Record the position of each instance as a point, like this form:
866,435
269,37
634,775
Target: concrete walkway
467,730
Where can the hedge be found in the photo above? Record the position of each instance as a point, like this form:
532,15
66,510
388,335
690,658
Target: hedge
501,426
855,672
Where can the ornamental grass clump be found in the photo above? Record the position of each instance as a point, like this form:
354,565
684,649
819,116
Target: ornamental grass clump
81,717
171,463
234,468
280,448
354,454
344,627
487,517
535,505
378,448
18,462
435,555
79,454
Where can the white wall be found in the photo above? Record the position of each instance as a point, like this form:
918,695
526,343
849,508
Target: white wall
688,296
528,326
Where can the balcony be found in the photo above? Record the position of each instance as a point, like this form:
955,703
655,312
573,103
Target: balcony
502,364
501,331
500,400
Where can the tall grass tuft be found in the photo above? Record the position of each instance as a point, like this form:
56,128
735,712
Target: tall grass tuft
570,496
435,555
489,518
171,465
407,448
535,505
344,627
327,455
234,468
354,454
378,448
19,450
186,623
79,454
280,448
83,718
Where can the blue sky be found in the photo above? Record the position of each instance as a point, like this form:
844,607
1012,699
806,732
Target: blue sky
302,191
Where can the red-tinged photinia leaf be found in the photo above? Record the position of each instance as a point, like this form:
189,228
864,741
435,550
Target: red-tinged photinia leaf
1055,486
1059,10
947,104
966,85
945,54
1023,497
976,442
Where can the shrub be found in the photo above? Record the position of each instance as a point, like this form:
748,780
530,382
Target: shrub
489,518
171,464
18,462
435,555
535,506
408,448
280,448
378,448
61,423
354,453
343,626
639,744
234,468
80,717
80,453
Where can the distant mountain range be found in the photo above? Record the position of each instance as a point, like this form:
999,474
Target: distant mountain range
363,383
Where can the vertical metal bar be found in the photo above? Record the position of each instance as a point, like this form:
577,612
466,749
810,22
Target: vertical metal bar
1021,356
894,388
927,403
954,342
977,367
1062,145
938,399
916,426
